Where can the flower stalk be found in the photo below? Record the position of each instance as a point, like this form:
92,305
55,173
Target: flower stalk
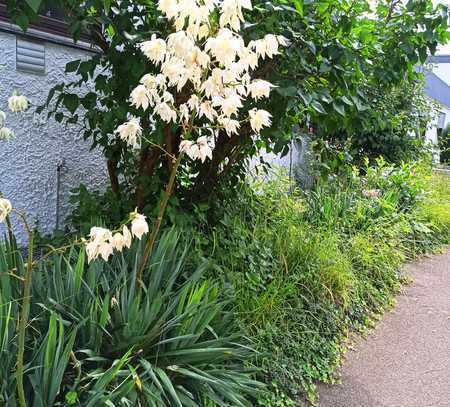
10,230
24,317
157,226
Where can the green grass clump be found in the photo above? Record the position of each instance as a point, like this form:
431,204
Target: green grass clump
436,207
307,268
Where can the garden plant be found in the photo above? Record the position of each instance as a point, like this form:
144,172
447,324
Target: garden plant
197,278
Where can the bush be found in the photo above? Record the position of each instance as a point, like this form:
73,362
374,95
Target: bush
299,269
395,124
94,339
309,267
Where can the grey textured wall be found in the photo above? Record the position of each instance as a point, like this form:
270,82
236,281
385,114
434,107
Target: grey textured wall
28,163
297,162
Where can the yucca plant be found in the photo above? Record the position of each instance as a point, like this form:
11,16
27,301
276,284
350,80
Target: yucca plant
11,268
96,338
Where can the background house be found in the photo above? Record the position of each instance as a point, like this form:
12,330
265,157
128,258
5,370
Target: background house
45,160
438,88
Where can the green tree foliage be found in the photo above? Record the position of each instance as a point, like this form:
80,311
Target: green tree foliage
345,62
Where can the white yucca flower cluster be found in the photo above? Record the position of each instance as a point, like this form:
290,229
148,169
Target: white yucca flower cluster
5,209
214,63
5,133
102,242
17,103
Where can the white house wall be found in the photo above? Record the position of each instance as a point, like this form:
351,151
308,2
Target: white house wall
28,163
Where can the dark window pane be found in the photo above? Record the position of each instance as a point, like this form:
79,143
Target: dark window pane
54,12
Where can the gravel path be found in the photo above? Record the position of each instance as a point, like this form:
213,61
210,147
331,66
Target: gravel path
405,361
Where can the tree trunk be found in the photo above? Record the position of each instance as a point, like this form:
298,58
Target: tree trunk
113,178
148,160
209,175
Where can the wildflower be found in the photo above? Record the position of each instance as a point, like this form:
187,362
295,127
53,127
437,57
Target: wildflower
200,150
18,103
140,97
92,251
184,112
154,50
231,13
271,45
118,241
105,249
114,302
5,208
126,237
371,193
259,89
193,102
166,113
207,110
185,145
230,105
168,7
100,244
202,59
225,46
2,118
99,234
205,149
175,71
207,58
283,41
231,126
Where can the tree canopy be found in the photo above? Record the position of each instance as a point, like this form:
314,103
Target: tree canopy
345,59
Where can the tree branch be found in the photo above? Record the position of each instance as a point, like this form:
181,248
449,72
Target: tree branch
147,163
113,177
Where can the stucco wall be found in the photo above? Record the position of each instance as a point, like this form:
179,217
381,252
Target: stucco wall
28,163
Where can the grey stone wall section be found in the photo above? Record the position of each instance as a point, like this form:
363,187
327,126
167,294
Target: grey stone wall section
28,163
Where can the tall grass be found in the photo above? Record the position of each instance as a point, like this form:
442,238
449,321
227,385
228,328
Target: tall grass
309,267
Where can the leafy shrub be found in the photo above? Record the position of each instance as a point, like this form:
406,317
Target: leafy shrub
309,267
95,339
394,125
89,207
350,71
444,145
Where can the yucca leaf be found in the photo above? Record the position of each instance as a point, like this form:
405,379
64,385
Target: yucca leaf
149,370
168,386
108,376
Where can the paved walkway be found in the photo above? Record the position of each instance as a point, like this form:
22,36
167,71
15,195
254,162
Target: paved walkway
405,361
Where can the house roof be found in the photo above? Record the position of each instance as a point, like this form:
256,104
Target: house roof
436,88
440,59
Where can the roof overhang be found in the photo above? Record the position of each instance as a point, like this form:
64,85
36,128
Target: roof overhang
46,29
